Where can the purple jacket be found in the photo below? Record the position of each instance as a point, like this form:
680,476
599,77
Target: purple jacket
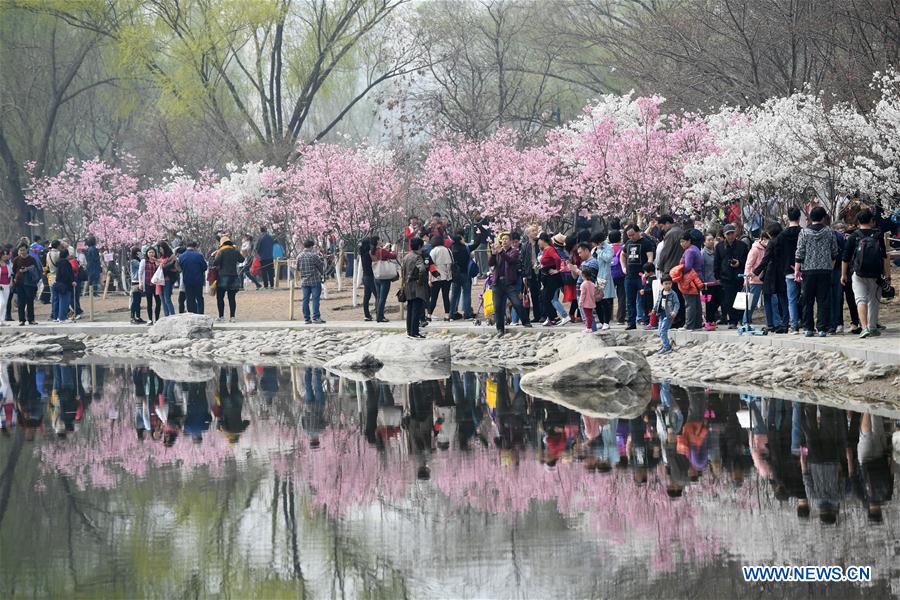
506,264
693,260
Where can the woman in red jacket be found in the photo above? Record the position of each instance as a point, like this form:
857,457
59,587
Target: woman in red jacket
551,279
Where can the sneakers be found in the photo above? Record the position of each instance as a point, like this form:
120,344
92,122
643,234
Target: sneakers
663,351
875,332
604,327
549,323
839,330
856,330
501,333
383,321
367,318
220,319
631,327
319,321
822,334
232,320
794,331
865,333
307,322
565,321
809,333
648,327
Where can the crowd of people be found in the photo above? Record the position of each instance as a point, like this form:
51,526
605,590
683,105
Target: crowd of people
663,274
57,274
818,458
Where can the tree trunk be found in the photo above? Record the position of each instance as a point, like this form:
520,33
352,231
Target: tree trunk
12,196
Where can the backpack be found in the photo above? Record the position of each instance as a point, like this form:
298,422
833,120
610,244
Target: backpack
867,260
615,267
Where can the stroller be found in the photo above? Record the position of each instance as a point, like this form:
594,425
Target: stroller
746,327
704,298
486,306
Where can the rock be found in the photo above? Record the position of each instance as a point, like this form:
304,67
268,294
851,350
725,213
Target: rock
185,325
576,343
602,367
28,350
399,348
67,343
183,371
604,403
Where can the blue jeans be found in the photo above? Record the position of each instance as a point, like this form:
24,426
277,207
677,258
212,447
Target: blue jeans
664,323
461,289
63,300
311,292
793,299
54,303
776,310
168,307
514,316
756,292
634,311
382,289
836,301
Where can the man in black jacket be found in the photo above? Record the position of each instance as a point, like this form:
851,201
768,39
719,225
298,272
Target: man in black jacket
787,249
731,258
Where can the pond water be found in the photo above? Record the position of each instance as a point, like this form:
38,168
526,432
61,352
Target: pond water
260,481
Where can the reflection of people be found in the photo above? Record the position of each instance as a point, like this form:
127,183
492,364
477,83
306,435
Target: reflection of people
29,400
313,419
141,405
874,455
197,416
229,404
419,423
825,430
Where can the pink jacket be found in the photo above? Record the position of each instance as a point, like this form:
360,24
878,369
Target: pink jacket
586,297
754,257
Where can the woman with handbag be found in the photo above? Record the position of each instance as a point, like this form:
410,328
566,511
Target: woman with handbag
368,277
170,266
146,272
385,269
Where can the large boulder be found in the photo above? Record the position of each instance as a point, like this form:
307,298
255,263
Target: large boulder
185,325
604,402
401,349
616,366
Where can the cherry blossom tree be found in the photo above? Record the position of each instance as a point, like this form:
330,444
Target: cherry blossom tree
90,198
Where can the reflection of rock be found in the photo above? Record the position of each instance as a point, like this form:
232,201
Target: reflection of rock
362,366
601,367
185,325
41,346
186,372
401,349
607,403
359,361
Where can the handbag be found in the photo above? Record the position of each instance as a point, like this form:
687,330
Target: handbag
401,295
158,277
386,269
256,266
212,274
742,301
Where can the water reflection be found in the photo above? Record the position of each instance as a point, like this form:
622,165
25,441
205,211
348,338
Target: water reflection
666,484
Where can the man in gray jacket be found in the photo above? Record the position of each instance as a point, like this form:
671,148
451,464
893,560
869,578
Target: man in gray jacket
817,250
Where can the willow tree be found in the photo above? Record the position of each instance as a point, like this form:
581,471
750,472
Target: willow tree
257,71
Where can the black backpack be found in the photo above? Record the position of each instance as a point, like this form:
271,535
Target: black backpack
867,261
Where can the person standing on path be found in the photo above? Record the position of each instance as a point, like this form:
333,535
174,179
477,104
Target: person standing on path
691,284
863,264
816,252
441,275
27,275
264,250
226,261
636,252
94,267
382,285
787,243
193,275
64,285
6,278
731,258
146,270
505,260
414,278
311,267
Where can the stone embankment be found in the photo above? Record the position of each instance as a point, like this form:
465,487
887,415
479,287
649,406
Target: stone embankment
708,363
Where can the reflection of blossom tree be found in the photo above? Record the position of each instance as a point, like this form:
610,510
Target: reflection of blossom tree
106,450
345,472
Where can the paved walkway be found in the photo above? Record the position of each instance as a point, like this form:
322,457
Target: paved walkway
884,349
